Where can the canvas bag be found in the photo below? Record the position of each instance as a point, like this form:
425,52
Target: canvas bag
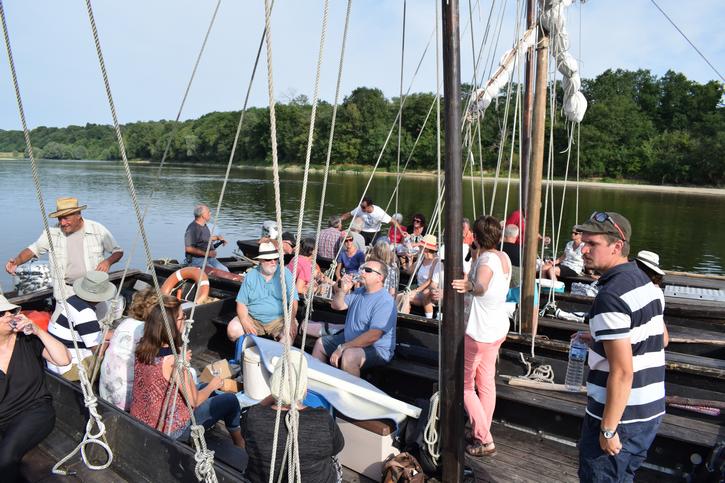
402,468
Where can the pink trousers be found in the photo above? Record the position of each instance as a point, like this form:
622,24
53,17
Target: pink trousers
480,377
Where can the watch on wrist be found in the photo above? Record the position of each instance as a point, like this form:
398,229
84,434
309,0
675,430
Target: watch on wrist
608,433
341,347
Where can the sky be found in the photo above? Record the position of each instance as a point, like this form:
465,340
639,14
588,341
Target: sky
150,48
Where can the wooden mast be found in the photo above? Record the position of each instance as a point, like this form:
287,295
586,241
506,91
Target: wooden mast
453,330
528,102
529,311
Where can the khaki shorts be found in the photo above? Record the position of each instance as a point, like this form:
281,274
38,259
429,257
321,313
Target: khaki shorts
271,329
72,373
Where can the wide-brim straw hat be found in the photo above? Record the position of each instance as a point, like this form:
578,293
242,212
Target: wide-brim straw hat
94,287
430,242
66,206
267,251
651,260
6,306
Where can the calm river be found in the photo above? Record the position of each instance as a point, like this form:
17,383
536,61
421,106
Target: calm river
683,228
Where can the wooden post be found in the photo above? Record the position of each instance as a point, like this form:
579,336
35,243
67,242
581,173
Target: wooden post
529,312
528,102
453,329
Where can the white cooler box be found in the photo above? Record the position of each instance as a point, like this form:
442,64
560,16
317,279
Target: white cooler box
367,445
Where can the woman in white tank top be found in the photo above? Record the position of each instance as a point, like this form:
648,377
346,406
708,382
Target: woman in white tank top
486,329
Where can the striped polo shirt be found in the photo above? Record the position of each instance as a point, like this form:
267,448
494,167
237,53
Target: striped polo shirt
87,330
628,306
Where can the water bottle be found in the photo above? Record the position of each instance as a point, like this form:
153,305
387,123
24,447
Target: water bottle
575,369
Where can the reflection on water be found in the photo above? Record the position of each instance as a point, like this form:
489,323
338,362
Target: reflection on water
677,226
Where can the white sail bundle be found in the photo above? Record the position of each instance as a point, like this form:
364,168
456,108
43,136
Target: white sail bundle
482,97
553,19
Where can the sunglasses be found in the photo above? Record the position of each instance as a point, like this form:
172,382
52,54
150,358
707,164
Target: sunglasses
370,270
271,260
601,217
417,221
576,233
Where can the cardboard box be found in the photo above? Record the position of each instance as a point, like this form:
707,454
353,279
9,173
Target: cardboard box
231,385
222,370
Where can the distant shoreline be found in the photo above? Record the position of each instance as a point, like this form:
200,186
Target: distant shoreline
349,169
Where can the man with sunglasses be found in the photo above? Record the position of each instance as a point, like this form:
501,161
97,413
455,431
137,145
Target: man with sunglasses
372,216
368,339
625,386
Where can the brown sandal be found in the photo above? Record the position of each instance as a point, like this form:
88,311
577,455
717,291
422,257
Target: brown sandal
481,449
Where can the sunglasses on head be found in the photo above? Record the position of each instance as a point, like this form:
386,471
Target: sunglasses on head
602,216
370,270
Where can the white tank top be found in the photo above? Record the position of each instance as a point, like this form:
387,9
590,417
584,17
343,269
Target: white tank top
488,320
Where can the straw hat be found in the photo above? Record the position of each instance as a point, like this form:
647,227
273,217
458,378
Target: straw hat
65,207
267,251
94,287
282,388
651,260
6,306
430,242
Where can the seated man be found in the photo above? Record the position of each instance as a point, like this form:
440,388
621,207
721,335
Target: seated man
259,301
196,240
369,336
77,320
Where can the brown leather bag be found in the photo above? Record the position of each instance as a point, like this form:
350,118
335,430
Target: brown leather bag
403,468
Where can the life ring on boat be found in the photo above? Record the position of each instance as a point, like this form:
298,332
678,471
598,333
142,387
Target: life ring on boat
214,272
192,274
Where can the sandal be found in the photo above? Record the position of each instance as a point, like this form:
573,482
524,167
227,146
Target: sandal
481,449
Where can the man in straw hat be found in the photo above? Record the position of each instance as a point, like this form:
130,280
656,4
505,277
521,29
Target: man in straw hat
80,246
625,386
368,339
260,309
77,320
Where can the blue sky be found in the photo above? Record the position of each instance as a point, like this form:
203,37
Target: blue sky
150,47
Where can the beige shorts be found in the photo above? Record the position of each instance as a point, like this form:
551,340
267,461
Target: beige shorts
272,329
72,373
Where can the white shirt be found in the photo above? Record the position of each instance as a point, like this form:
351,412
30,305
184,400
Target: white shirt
573,257
488,320
97,241
116,377
371,221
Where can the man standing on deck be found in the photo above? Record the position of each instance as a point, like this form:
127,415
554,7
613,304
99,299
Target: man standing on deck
625,387
368,339
372,216
196,240
79,245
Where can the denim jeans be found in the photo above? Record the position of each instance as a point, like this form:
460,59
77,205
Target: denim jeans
210,262
220,407
597,466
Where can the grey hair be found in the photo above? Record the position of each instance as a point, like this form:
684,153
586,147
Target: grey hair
199,209
356,225
383,268
511,231
334,221
466,221
397,217
382,252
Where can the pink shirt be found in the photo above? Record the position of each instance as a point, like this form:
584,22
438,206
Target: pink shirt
304,268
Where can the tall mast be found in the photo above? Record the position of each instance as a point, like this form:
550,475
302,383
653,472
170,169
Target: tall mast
529,316
453,330
528,103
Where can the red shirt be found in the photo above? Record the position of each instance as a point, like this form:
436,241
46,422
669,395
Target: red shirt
397,236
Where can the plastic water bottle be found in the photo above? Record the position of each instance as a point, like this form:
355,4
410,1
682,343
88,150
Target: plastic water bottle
575,369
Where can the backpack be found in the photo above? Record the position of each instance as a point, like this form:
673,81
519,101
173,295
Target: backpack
402,468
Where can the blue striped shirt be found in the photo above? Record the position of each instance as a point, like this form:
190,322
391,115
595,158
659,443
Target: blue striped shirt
628,306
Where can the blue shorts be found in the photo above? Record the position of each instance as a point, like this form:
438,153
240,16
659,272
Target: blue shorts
372,358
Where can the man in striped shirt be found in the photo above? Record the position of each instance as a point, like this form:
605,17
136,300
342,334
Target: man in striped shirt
77,320
625,386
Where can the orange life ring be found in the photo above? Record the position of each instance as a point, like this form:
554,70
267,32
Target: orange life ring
188,273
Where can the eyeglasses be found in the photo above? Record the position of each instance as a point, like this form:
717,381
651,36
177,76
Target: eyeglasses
370,270
602,216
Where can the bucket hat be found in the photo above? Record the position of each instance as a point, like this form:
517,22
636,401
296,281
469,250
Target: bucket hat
94,287
6,306
651,260
65,207
267,251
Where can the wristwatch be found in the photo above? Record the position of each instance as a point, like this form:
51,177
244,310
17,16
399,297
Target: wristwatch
608,433
341,347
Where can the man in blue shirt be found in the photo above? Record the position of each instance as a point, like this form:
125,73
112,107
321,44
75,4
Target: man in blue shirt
260,309
369,336
626,382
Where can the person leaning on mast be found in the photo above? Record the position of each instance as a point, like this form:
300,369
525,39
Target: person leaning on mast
625,386
368,339
79,245
26,407
372,216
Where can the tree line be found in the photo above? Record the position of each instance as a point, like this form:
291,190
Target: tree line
639,127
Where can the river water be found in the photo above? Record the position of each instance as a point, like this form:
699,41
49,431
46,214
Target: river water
684,229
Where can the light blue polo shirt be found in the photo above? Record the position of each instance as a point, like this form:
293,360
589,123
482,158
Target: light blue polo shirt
367,311
264,299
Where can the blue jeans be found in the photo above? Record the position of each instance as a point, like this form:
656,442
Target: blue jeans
597,466
220,407
372,358
210,262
